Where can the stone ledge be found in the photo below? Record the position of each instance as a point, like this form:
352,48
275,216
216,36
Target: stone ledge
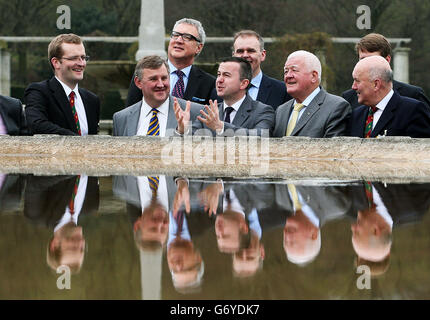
389,158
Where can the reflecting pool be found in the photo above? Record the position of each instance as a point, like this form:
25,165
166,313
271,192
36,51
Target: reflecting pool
162,237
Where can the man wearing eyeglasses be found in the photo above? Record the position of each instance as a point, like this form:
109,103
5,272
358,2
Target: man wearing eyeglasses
186,80
58,105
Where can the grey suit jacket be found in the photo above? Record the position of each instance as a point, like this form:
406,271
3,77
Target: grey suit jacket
125,122
325,117
251,115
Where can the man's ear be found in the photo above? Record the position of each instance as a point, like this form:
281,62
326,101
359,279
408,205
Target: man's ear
138,82
244,84
53,244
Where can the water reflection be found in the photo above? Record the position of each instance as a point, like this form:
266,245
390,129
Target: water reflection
211,238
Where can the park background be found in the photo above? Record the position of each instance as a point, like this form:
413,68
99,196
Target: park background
304,24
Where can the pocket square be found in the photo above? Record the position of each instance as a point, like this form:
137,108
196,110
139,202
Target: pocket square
195,99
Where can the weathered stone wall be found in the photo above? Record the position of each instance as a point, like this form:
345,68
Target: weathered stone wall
384,159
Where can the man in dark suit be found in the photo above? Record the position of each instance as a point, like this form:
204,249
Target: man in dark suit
187,41
238,114
12,117
313,112
383,111
249,45
155,109
58,105
377,44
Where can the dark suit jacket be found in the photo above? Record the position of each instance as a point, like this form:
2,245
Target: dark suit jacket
405,203
48,109
401,88
11,192
13,116
325,117
251,115
46,198
272,92
402,116
199,88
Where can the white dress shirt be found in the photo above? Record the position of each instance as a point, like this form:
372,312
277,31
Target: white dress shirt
174,77
381,107
145,192
255,85
305,102
146,115
79,106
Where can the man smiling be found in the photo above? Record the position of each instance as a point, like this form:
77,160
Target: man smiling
58,105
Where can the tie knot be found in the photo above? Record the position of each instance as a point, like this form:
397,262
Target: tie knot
229,110
298,106
179,73
155,110
372,110
72,95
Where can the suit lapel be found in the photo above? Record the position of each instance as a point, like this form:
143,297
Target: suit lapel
171,118
264,90
359,125
63,102
386,116
244,111
192,85
309,111
284,117
133,120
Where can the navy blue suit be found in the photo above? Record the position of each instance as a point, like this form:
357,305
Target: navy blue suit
13,116
402,116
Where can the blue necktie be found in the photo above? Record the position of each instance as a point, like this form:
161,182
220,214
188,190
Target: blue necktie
154,126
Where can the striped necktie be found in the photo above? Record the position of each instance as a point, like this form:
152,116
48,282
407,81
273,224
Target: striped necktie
75,114
154,125
369,122
154,182
72,199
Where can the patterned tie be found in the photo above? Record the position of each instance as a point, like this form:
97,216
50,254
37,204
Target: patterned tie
293,121
72,199
228,111
179,88
154,125
153,185
294,197
369,122
369,193
179,222
75,114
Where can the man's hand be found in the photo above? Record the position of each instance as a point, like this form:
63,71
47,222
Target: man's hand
209,197
182,116
211,116
182,197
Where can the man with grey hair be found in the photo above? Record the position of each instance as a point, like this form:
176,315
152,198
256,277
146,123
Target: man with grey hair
383,112
313,112
186,80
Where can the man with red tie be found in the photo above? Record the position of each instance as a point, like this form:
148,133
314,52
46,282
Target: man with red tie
58,105
382,111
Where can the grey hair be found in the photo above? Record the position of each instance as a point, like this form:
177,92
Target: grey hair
384,74
195,23
311,61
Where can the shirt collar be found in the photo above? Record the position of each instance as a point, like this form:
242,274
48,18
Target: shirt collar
256,81
186,70
235,105
383,103
163,109
66,88
310,97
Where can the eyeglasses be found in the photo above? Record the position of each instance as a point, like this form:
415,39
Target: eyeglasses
77,58
186,36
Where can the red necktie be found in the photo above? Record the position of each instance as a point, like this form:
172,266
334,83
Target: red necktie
72,199
75,114
369,122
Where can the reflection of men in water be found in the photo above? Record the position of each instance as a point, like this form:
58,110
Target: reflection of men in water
184,260
60,202
11,190
247,261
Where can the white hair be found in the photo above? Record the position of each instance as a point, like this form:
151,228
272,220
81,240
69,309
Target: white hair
311,61
312,249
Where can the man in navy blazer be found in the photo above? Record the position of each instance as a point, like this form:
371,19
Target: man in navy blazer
249,45
187,41
375,44
393,115
12,116
49,103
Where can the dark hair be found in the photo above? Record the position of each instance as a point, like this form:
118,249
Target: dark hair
374,42
55,49
149,62
245,71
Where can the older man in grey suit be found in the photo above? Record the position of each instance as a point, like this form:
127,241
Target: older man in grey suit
154,115
238,114
313,112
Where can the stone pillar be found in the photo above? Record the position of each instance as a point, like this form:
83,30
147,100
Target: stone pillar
4,72
151,29
401,64
151,265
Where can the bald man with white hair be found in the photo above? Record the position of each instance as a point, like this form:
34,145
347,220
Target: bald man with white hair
313,112
383,112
